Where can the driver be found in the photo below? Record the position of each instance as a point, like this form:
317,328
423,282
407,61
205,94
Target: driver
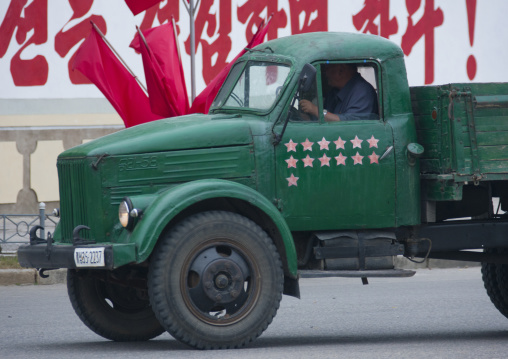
350,94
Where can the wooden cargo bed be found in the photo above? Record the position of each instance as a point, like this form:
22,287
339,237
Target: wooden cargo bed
464,130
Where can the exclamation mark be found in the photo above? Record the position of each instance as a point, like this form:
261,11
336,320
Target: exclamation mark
471,17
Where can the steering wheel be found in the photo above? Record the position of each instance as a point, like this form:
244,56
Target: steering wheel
237,99
295,114
299,115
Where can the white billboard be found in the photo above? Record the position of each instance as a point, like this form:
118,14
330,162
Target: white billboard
444,40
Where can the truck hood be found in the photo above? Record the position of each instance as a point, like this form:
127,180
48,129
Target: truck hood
186,132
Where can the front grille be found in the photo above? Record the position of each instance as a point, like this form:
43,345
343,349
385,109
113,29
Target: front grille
72,174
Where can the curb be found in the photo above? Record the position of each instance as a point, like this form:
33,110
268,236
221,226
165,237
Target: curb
31,276
59,276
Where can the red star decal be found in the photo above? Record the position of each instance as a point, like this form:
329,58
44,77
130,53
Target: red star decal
357,143
341,160
357,159
307,161
339,143
323,144
291,146
374,158
325,160
307,145
292,180
291,162
372,142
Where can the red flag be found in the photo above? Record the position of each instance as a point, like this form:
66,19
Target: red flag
204,100
138,6
163,71
96,61
259,36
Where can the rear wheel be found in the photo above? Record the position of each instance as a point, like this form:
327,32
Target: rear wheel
495,279
114,311
216,281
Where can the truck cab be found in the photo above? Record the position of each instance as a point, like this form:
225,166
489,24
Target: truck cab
329,185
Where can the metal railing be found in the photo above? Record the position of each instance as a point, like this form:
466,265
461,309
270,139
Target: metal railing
15,228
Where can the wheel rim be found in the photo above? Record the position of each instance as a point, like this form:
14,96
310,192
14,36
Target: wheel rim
219,282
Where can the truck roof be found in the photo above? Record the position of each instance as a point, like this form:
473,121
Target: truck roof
316,46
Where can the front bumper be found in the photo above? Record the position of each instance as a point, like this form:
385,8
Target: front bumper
63,255
58,256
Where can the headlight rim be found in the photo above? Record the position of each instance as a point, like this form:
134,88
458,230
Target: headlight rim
127,214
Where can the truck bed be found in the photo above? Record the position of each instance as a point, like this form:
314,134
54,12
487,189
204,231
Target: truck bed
464,130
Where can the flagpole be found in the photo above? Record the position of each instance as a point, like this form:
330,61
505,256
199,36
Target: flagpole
118,55
176,39
192,49
142,36
179,56
269,19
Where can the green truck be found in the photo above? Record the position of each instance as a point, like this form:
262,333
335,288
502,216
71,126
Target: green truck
197,225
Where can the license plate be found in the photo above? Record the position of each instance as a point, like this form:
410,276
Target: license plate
89,257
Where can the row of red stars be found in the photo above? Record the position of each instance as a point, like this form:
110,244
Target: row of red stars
323,144
325,160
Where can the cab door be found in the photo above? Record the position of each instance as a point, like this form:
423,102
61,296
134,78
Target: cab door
337,175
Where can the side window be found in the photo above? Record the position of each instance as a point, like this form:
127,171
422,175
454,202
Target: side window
369,74
349,91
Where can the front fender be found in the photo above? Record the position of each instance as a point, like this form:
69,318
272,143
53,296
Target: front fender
170,203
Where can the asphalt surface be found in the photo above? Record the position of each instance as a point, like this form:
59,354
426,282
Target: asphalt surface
440,313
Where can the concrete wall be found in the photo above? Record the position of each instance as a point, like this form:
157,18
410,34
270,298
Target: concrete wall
32,134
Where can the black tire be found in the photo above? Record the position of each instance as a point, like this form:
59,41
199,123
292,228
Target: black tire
495,280
116,312
215,281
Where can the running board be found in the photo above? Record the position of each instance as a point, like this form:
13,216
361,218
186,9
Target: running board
385,273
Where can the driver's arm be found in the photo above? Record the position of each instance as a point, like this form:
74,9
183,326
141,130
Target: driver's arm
310,108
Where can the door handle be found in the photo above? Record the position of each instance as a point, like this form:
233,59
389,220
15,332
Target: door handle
387,152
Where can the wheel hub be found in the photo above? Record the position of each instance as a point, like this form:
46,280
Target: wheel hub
222,281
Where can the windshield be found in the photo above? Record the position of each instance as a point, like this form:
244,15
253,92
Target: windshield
257,87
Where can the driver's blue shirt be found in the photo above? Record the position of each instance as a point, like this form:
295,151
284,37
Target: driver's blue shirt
357,97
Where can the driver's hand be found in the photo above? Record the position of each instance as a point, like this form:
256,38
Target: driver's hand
308,107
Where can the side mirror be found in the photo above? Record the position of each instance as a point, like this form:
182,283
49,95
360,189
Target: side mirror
307,77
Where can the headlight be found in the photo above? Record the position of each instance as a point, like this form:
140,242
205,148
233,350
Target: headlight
124,211
56,212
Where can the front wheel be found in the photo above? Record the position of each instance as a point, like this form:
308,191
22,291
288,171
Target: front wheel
215,281
115,311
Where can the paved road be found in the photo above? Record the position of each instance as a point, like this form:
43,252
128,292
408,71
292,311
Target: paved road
441,313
